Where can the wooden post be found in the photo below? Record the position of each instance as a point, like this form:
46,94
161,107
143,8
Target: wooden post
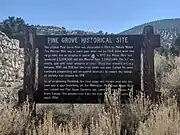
21,96
151,41
32,51
26,61
29,68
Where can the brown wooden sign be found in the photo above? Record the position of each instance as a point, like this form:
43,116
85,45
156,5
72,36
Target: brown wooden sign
77,68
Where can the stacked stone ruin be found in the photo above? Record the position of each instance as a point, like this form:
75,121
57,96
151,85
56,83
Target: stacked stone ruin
11,65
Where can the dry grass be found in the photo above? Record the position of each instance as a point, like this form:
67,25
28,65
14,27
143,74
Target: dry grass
163,120
140,117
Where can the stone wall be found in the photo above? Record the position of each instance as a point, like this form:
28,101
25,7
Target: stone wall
11,64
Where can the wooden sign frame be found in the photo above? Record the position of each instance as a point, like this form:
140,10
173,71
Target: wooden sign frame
151,41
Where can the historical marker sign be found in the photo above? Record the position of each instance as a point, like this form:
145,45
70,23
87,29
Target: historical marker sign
76,69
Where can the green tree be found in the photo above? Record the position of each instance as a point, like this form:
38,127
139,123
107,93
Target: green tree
100,32
175,48
13,26
177,43
173,51
161,50
165,54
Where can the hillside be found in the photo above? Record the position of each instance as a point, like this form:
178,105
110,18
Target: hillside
53,30
167,28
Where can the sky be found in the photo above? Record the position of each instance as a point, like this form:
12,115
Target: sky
110,16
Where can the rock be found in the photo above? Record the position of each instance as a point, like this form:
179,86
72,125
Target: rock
2,84
20,74
7,84
11,65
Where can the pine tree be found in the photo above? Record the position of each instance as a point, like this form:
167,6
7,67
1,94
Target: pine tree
13,26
